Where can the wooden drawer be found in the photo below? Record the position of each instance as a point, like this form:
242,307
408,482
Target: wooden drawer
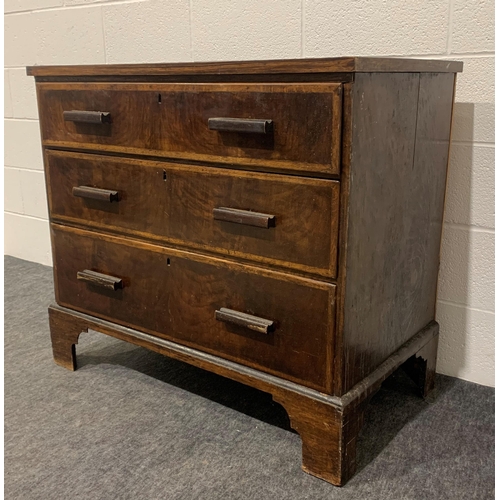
175,295
186,205
172,120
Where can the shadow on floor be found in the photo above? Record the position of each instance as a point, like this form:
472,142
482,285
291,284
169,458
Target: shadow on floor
393,407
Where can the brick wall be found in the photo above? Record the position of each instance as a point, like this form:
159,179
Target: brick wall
86,31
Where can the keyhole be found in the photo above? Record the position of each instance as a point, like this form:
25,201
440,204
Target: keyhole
164,175
159,98
168,262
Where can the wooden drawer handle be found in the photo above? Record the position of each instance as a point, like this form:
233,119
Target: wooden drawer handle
247,320
95,193
87,116
99,279
246,217
246,125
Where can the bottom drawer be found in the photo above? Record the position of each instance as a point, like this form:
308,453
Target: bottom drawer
272,321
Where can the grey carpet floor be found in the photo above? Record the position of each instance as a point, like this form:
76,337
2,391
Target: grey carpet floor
132,424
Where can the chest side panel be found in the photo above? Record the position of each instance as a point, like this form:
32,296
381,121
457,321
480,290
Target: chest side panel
400,139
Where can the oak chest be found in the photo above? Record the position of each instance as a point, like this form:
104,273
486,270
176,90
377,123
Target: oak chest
276,222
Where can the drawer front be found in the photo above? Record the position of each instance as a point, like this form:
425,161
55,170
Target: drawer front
200,302
253,216
274,126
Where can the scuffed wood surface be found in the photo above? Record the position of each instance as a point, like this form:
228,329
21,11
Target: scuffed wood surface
401,133
283,66
171,120
174,294
174,203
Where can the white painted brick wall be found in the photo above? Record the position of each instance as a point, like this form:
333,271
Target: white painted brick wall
150,31
121,31
375,28
259,29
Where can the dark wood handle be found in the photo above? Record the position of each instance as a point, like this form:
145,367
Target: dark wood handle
99,279
246,217
87,116
247,320
245,125
95,193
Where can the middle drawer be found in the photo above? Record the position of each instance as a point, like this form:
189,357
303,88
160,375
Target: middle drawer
249,215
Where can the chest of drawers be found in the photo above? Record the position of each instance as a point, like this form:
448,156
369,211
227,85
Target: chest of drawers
275,222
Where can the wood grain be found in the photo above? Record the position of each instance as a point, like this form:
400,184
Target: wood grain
203,79
337,363
395,208
281,67
169,293
328,436
174,204
171,120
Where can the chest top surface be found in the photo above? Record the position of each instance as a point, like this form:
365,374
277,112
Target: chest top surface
323,66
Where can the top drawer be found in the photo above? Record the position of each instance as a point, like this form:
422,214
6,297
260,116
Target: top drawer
277,126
